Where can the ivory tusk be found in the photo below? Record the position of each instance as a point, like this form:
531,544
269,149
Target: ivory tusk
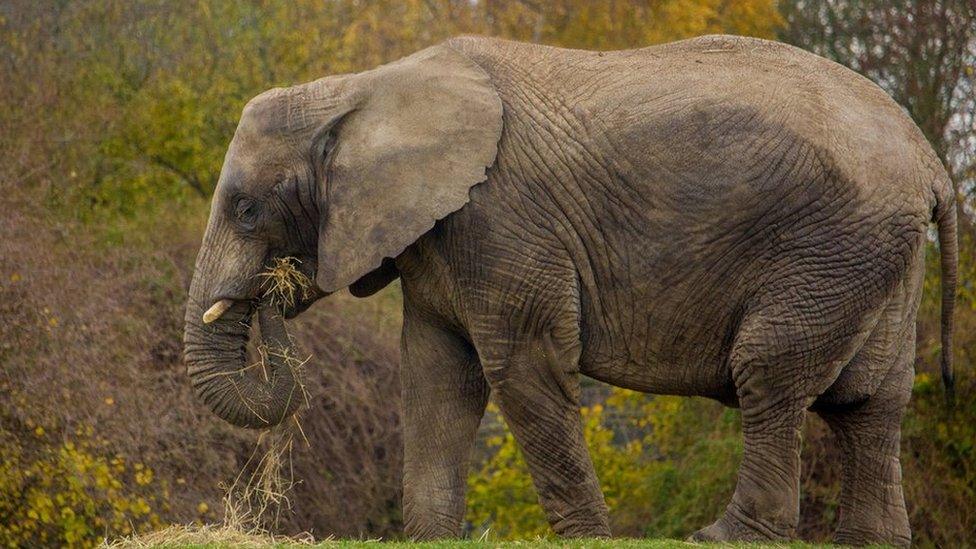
217,310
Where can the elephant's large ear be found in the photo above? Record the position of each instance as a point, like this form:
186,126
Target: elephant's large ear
421,132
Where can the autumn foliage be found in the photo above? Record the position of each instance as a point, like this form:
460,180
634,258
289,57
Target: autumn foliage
114,121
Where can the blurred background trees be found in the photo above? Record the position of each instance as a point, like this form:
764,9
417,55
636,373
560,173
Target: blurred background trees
115,117
921,52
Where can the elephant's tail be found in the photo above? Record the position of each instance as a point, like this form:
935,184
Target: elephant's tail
945,217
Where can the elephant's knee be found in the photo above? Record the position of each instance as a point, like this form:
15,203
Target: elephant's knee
502,372
533,368
523,400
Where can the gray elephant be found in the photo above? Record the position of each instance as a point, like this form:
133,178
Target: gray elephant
724,217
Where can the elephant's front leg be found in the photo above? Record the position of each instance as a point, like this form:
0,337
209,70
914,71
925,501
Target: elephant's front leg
536,387
444,398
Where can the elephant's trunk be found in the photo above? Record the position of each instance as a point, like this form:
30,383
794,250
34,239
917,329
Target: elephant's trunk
216,359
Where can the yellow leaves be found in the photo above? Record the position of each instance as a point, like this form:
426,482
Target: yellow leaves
144,477
52,319
117,464
623,24
501,497
69,494
923,384
140,507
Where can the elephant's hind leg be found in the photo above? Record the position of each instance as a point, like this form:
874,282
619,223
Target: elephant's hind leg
872,505
780,363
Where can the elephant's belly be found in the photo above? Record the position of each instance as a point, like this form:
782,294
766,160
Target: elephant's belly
679,345
707,377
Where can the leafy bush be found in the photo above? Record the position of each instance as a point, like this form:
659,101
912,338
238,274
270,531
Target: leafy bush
666,465
70,492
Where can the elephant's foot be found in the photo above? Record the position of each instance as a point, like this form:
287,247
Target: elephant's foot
433,533
876,514
735,526
586,522
860,538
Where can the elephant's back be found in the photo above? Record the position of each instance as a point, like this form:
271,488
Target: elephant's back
713,139
711,109
723,102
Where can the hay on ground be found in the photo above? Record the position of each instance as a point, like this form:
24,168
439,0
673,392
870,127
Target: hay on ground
208,535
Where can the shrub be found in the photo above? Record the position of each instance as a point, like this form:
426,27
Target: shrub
666,466
68,491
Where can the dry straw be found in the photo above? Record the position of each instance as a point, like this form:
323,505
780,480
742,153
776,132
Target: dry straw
257,497
253,503
284,284
209,535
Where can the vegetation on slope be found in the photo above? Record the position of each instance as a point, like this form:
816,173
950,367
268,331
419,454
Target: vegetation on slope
115,119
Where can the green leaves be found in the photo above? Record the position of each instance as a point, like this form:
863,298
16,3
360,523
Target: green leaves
666,466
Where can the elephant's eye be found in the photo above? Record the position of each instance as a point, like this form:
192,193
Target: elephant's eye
246,211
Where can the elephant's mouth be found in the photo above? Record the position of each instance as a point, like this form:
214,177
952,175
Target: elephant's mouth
286,284
287,311
300,306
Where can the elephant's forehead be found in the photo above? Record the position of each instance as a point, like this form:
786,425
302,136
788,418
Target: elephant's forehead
254,164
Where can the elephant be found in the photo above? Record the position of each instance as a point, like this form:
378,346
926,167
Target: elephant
723,217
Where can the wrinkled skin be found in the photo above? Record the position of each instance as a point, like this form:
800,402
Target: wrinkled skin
723,217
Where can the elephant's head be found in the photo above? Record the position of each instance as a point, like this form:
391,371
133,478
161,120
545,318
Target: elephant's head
339,173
